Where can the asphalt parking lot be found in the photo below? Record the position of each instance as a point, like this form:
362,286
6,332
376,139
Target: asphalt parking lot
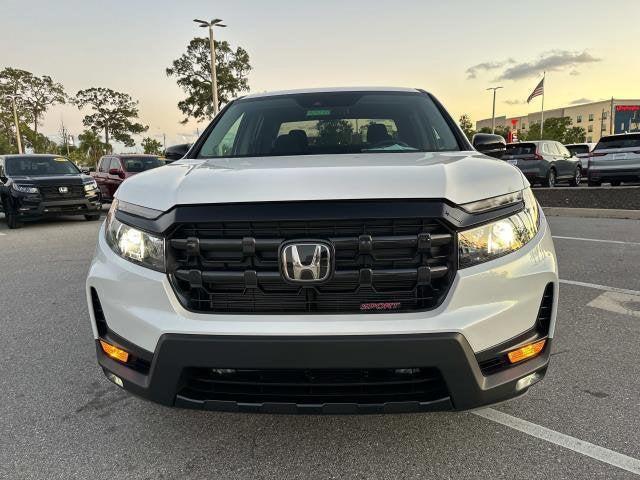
60,418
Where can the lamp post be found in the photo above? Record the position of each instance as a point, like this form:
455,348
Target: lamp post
216,22
493,115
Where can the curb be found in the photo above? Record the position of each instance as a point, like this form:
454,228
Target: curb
592,213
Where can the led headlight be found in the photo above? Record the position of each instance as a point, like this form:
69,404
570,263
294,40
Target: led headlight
24,188
91,185
134,244
495,239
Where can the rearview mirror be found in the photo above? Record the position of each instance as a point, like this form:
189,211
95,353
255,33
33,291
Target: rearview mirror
489,144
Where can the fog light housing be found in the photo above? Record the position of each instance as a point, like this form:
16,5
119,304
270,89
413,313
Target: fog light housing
114,352
526,382
115,379
528,351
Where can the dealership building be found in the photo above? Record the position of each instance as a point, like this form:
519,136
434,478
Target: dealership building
597,118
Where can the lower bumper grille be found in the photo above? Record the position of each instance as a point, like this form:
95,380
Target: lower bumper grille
314,387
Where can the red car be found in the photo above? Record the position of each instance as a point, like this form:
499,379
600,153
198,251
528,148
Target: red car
112,170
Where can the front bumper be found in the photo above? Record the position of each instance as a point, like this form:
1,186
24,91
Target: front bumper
465,387
487,306
33,206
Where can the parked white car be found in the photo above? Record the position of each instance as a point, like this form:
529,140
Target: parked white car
326,251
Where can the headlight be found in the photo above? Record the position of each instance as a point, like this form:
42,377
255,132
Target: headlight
133,244
92,185
493,240
25,188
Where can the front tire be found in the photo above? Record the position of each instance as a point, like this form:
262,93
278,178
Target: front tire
550,180
10,215
577,178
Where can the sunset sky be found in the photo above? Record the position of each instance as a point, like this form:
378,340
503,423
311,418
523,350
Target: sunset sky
455,49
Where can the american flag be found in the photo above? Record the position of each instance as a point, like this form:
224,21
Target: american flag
539,90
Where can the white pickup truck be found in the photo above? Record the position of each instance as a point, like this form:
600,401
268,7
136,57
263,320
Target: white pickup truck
326,251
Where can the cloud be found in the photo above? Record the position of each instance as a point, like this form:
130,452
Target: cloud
472,71
554,60
578,101
514,101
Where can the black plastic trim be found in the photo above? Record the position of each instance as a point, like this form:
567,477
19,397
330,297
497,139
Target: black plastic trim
444,210
450,353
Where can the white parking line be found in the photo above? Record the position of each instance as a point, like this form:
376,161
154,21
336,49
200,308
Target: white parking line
596,240
601,287
602,454
617,302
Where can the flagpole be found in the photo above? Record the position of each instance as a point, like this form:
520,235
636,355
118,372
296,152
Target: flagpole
544,86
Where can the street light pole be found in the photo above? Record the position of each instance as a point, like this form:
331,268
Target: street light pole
493,115
216,22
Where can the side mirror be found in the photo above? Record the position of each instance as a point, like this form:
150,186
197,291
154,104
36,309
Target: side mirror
489,144
116,171
176,152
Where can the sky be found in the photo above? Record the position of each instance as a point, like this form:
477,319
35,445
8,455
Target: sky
455,49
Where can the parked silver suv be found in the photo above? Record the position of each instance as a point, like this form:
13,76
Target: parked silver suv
615,159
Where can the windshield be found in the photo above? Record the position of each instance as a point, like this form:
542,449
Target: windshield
140,164
578,149
330,123
622,141
40,166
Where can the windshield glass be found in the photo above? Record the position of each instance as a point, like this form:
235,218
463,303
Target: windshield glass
40,166
622,141
140,164
330,123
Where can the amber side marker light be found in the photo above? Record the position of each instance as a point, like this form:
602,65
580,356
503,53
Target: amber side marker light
114,352
528,351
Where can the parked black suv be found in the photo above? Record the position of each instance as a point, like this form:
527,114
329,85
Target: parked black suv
35,186
544,162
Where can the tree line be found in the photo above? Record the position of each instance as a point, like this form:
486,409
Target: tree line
558,129
111,115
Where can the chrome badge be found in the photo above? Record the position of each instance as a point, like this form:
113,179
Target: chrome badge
306,262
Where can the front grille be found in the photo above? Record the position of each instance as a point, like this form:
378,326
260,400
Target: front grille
402,264
52,192
314,386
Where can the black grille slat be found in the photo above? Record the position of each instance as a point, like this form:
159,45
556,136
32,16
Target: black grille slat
52,192
304,386
407,264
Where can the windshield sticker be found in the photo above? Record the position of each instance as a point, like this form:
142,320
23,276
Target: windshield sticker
318,113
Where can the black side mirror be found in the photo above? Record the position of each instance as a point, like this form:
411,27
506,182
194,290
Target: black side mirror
489,144
176,152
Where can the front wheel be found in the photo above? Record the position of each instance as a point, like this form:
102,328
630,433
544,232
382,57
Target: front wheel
550,180
576,179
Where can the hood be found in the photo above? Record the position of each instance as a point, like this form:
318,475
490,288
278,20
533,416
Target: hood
460,177
78,179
